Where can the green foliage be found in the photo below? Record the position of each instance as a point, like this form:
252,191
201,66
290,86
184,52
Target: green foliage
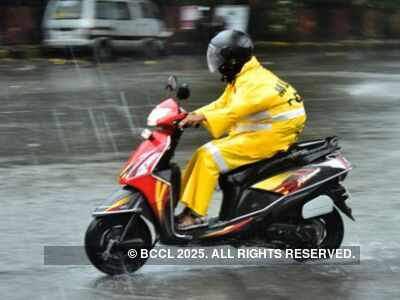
258,3
383,3
196,2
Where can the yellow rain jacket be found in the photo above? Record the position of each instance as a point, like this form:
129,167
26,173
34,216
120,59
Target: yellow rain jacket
261,116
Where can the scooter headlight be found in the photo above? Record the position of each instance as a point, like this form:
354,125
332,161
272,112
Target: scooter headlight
157,114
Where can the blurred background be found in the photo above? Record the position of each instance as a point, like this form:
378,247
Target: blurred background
274,20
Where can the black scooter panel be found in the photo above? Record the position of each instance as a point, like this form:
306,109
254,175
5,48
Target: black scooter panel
253,200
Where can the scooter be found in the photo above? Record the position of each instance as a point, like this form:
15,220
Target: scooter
288,201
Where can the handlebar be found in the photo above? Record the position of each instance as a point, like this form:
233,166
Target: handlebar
181,117
178,118
175,120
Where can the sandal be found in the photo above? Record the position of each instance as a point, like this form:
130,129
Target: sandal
196,222
179,217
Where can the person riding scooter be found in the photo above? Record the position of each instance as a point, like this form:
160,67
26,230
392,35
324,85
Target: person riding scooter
260,113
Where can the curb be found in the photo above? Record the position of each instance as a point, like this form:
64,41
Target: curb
21,52
345,44
36,51
4,53
182,47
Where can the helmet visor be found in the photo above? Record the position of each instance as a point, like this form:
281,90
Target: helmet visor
214,58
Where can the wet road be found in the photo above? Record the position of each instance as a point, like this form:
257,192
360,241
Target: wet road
66,129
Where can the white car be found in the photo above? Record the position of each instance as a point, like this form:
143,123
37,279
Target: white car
104,26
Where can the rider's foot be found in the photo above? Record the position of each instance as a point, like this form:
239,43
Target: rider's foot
191,221
182,214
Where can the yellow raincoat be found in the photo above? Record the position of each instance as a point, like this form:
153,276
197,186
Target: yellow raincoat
261,116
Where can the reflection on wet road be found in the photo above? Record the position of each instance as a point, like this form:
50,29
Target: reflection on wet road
65,132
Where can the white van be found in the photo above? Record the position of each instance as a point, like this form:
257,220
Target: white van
104,25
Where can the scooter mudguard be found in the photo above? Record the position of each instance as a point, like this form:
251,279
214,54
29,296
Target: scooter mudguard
317,207
127,200
123,200
324,204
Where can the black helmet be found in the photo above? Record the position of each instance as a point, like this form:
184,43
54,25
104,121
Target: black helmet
228,51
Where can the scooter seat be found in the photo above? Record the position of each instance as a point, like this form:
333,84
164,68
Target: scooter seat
297,155
309,144
246,174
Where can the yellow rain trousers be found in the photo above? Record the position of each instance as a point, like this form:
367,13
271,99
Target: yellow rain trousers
261,116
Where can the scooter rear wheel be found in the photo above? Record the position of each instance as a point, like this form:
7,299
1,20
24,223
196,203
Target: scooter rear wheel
333,232
116,261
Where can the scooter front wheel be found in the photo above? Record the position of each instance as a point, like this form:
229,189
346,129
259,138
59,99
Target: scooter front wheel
105,250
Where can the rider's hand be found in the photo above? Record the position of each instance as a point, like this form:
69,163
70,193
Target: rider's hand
192,119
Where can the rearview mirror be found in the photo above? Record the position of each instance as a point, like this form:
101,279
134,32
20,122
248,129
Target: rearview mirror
183,92
172,83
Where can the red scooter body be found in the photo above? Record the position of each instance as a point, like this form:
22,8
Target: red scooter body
138,171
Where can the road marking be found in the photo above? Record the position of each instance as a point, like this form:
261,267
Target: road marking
267,63
57,61
33,145
16,112
26,68
344,74
150,62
